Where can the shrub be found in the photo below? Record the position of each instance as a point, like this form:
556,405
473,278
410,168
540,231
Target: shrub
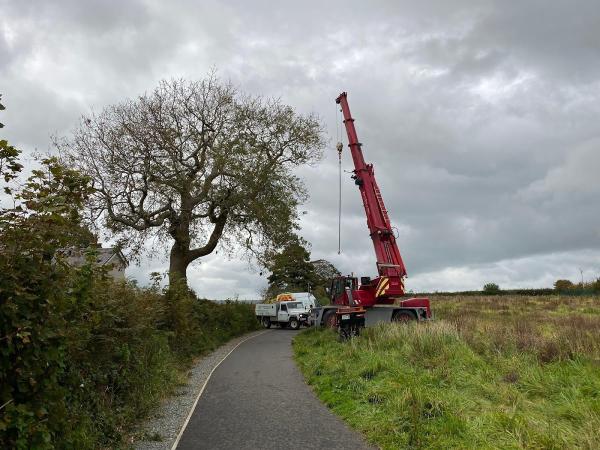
38,298
491,288
595,286
81,357
563,285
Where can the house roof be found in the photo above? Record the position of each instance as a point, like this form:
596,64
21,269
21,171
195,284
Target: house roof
105,256
109,256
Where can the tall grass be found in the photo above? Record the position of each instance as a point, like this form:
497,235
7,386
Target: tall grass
489,373
551,328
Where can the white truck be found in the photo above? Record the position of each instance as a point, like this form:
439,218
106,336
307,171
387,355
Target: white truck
307,299
292,313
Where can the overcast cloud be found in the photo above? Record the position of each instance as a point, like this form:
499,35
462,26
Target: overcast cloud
481,117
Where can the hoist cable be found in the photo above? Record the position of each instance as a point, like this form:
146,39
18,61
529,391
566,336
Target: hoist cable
340,204
339,150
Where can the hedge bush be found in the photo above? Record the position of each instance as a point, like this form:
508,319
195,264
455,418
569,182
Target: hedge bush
81,356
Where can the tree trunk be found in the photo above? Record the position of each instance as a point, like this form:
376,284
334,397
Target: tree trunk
178,263
181,254
180,251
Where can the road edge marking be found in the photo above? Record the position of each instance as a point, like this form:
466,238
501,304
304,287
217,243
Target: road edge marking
185,424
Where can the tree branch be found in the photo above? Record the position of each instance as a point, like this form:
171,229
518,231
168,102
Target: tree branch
215,236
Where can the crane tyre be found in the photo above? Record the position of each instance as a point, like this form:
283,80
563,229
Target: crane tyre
266,322
294,324
403,317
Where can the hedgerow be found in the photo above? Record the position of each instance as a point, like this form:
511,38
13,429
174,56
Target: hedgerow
82,357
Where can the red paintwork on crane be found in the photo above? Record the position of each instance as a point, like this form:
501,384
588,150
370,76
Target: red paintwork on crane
389,285
389,261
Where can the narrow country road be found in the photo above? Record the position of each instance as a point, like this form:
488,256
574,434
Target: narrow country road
257,399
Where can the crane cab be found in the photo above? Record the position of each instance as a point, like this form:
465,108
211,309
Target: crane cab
340,289
345,290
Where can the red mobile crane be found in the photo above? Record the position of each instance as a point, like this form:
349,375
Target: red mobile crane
379,299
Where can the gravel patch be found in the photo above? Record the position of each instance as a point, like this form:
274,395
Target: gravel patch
160,430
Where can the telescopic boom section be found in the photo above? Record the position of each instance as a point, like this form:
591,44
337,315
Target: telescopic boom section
389,261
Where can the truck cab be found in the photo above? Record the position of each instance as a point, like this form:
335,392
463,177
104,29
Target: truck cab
283,314
308,299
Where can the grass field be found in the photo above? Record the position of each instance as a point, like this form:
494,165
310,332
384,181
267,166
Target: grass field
489,372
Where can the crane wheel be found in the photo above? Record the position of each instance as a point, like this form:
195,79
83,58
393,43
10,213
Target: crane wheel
403,317
266,322
330,319
294,324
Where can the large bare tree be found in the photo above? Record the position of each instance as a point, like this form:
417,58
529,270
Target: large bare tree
197,164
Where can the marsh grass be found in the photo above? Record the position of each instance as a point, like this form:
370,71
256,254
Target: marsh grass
490,372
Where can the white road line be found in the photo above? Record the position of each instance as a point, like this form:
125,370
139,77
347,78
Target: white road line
204,385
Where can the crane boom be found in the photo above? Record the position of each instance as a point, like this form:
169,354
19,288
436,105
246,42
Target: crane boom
381,299
389,261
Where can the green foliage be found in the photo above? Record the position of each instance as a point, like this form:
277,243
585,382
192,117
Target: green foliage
569,288
291,269
494,372
82,357
197,164
563,285
200,325
491,288
34,308
324,271
9,165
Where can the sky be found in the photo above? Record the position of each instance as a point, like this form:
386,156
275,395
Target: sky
480,117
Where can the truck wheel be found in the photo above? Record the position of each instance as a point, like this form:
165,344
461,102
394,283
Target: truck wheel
403,317
329,319
266,322
294,324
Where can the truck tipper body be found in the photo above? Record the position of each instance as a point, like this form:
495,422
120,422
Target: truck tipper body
308,299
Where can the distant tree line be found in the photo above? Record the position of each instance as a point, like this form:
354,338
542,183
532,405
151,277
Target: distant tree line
563,287
532,292
568,287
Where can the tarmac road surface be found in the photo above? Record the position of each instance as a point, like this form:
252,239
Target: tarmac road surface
257,399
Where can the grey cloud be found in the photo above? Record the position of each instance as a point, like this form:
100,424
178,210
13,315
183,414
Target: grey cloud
480,117
517,273
34,113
